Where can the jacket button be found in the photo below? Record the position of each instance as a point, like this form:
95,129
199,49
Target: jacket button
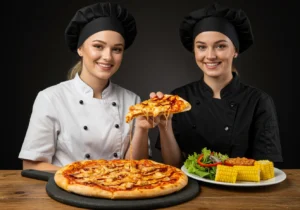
194,126
114,103
81,102
85,127
87,156
116,126
226,128
115,155
232,104
197,102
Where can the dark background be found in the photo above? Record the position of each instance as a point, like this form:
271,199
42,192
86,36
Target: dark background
38,57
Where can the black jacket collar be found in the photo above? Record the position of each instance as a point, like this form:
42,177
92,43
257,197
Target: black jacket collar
227,91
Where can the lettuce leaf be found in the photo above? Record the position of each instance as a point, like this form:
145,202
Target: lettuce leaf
206,172
193,167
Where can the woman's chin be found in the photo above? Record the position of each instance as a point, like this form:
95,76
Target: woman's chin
103,75
212,73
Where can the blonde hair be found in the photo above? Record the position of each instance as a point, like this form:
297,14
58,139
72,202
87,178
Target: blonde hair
75,69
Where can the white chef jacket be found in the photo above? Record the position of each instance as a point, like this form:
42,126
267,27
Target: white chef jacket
67,124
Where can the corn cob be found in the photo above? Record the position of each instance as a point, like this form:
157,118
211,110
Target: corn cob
226,174
248,173
266,169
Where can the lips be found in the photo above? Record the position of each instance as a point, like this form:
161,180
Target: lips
212,65
105,66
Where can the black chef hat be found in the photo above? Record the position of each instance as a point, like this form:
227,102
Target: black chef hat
98,17
234,23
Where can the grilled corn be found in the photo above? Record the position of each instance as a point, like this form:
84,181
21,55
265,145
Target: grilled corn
266,169
248,173
226,174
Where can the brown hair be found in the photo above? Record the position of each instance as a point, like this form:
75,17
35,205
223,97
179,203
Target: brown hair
75,69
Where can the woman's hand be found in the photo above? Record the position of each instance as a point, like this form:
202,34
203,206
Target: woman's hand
158,94
151,122
144,123
162,121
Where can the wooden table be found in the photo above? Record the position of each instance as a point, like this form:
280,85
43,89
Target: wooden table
17,192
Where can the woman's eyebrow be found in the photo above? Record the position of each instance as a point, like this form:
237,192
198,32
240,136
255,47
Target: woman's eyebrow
222,40
97,40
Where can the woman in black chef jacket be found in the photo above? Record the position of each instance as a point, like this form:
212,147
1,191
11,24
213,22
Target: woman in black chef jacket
227,115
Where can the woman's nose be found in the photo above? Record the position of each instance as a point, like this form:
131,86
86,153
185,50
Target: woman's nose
106,54
211,54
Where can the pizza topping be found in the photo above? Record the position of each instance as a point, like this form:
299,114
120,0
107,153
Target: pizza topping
120,175
156,106
148,169
141,183
129,185
113,177
158,175
166,179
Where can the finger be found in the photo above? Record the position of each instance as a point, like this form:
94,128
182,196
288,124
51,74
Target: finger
152,95
160,94
170,116
165,117
157,119
150,120
153,120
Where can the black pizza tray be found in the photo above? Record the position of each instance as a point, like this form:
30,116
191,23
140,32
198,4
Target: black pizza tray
187,193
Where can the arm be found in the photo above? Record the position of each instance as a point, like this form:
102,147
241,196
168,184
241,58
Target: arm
39,143
38,165
139,144
170,150
265,133
139,148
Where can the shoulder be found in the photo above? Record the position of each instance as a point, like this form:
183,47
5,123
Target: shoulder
256,92
55,90
47,99
259,98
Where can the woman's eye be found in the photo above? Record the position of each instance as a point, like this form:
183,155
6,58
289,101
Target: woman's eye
221,46
118,50
201,47
98,46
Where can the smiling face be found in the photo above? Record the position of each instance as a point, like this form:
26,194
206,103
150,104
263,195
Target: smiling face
214,53
102,55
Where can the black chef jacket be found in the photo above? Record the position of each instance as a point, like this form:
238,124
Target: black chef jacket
243,123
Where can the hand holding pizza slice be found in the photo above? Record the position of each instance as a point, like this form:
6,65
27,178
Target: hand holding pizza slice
168,104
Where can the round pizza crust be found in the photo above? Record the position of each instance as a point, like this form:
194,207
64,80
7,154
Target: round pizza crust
165,188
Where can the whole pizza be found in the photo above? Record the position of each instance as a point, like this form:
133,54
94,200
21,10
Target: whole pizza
120,179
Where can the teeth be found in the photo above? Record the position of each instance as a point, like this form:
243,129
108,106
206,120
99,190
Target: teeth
105,65
212,64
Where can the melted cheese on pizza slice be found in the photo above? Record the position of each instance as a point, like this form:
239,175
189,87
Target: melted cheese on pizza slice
156,106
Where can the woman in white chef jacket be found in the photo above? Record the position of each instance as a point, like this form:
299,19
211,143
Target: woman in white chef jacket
84,117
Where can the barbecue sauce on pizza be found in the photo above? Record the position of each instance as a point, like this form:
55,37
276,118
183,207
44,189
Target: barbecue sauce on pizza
139,178
157,106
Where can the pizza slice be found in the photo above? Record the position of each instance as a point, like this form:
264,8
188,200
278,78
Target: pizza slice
169,104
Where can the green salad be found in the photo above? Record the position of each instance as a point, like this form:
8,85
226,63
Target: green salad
204,164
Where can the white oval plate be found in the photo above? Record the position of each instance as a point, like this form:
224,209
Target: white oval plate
279,177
